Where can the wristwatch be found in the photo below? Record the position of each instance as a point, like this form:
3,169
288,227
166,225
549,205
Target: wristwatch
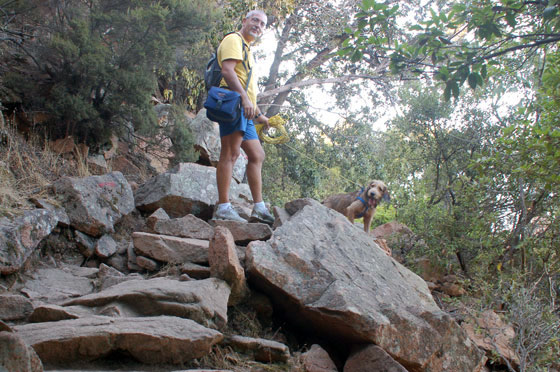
256,116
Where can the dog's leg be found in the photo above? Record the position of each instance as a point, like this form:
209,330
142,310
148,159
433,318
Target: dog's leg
350,215
353,210
367,221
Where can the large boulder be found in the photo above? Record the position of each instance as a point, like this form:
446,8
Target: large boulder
94,204
151,340
188,188
206,135
204,301
19,237
330,277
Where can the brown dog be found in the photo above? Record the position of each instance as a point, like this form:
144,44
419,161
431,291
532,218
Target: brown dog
361,203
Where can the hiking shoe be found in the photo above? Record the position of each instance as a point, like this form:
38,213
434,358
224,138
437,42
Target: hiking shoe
263,216
229,214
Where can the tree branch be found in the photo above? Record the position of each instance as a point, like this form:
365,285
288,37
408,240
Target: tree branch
316,81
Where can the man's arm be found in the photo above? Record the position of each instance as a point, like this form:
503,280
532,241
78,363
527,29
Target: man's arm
232,80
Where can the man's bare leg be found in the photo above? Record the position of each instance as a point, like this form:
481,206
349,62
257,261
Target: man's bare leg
228,156
255,155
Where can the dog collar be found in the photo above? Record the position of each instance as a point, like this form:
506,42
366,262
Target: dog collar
363,202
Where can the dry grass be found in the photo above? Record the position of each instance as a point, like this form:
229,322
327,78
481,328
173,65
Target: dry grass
27,168
227,359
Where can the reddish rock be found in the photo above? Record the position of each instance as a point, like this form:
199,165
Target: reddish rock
316,359
225,265
372,358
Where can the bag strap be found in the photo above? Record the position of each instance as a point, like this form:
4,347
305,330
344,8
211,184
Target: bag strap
245,61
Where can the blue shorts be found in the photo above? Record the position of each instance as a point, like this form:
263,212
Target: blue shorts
243,124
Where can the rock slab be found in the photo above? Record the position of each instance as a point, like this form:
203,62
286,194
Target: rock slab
150,340
333,279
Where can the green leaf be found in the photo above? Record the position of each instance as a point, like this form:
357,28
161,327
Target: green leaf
416,28
495,30
484,71
356,56
473,79
455,89
434,15
508,130
344,52
368,4
511,19
447,93
380,6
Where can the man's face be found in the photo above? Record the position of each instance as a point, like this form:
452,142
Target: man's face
254,25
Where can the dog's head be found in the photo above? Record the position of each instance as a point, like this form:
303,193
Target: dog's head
376,191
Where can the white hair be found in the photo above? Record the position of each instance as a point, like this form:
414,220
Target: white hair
255,11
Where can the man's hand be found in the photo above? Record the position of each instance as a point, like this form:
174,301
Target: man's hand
262,119
228,72
248,108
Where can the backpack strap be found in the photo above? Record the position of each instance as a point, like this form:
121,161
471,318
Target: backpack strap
245,61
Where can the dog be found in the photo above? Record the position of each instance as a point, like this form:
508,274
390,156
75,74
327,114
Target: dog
361,203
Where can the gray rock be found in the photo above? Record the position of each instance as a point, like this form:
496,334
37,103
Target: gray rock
335,278
316,359
195,271
131,262
108,276
260,349
204,301
97,164
58,285
150,340
85,243
14,307
105,247
20,237
147,263
170,249
184,227
59,212
294,206
371,358
16,355
281,215
244,233
186,189
225,265
94,204
53,313
158,215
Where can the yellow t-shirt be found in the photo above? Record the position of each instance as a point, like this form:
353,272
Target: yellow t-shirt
231,48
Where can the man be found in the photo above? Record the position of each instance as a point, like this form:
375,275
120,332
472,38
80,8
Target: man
241,134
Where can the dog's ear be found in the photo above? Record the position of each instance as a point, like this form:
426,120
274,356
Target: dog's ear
386,197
